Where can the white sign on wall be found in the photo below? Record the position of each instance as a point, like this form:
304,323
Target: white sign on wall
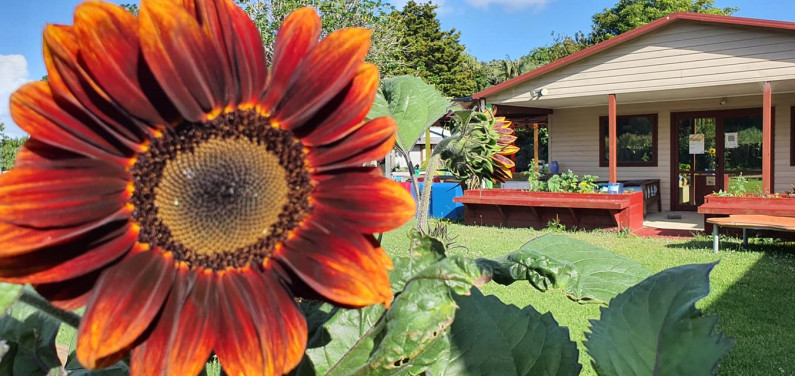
731,140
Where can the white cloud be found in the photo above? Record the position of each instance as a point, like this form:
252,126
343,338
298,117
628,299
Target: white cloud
512,4
13,73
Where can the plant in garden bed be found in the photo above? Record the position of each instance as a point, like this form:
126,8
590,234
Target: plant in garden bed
565,182
195,204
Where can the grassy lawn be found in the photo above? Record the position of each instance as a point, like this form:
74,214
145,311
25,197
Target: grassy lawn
753,288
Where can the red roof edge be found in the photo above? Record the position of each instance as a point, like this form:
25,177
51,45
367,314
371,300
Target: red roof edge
632,34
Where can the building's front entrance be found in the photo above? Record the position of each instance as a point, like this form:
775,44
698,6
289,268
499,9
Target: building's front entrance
710,148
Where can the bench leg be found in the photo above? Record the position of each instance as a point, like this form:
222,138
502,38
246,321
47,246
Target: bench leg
745,237
715,242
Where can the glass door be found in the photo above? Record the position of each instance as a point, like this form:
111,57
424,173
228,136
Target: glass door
698,162
742,154
715,150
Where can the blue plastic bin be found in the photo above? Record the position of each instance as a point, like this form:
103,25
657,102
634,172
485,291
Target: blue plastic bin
442,205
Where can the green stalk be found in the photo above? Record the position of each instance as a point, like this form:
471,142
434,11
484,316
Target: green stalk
425,199
414,184
31,298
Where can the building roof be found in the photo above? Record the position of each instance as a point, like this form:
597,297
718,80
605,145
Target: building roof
630,35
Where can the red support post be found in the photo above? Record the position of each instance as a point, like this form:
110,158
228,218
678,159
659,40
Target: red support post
612,143
767,137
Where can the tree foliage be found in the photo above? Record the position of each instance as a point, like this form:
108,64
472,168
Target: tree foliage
372,14
435,55
132,8
629,14
9,147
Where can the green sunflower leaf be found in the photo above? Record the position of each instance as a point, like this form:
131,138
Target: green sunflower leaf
413,104
9,293
74,368
408,338
654,328
423,252
489,337
30,337
584,272
340,340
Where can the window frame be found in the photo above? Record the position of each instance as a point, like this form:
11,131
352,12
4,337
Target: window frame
603,124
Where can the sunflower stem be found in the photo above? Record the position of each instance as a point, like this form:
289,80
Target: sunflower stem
425,199
31,298
414,184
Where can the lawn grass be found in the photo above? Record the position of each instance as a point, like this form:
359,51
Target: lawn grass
752,288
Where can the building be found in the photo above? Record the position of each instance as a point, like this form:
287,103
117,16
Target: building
694,99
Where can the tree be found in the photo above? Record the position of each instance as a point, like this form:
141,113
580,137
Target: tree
132,8
562,46
372,14
428,52
629,14
9,147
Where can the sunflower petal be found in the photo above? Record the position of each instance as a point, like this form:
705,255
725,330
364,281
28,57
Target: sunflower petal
264,332
72,259
239,349
110,50
77,91
239,41
43,197
367,202
503,161
39,154
507,139
70,294
19,240
183,338
183,59
509,149
357,100
297,35
250,60
342,266
328,68
125,300
371,142
286,335
33,108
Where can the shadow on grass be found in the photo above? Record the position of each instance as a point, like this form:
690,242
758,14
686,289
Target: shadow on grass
756,306
772,246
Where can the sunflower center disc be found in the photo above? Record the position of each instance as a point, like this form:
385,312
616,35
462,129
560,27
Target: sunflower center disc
225,194
222,193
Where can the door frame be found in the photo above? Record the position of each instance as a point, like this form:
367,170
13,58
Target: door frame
719,115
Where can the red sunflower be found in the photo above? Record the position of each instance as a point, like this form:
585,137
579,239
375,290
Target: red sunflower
184,194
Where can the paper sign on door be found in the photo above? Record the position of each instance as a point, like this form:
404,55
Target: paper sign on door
697,143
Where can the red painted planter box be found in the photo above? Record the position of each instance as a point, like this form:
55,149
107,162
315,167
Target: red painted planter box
519,208
722,206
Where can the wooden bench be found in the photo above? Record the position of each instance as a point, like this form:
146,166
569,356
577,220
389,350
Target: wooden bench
753,222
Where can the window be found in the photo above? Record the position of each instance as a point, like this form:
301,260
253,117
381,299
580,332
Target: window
791,135
637,140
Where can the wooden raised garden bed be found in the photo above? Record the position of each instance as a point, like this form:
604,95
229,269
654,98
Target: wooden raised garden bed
518,208
723,206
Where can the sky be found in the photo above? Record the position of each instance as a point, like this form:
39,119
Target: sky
490,29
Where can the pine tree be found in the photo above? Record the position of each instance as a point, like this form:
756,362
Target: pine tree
435,55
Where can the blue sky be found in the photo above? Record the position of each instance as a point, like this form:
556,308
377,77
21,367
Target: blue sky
490,29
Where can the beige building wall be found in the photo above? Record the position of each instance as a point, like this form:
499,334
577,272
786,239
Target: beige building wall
682,55
574,138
